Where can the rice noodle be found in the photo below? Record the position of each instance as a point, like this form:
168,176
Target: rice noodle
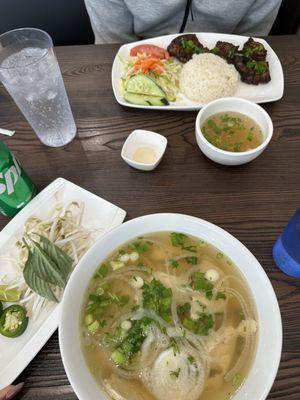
240,300
131,269
219,285
248,338
111,391
174,309
151,315
196,343
128,372
158,245
180,257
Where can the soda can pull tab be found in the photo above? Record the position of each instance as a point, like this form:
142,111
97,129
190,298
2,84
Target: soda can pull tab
6,132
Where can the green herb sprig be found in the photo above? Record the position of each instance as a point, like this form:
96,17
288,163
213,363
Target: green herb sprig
201,325
130,344
201,284
157,298
182,240
175,374
190,47
47,266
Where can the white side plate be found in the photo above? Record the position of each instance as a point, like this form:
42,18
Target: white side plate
15,354
262,93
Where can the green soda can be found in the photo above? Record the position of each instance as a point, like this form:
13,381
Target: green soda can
16,188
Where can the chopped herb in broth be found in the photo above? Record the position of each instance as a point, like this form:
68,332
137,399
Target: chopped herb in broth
168,316
232,131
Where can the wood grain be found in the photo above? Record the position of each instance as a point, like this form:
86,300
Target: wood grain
253,202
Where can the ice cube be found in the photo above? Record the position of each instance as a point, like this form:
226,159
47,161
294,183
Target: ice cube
50,95
31,97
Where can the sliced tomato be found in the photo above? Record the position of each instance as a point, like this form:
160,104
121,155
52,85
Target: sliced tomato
150,50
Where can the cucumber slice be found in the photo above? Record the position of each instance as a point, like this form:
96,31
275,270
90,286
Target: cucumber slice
145,100
142,84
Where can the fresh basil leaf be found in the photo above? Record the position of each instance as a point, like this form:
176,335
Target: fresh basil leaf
44,267
58,256
37,284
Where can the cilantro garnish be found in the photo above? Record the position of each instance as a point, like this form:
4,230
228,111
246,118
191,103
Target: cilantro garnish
183,309
129,344
191,260
140,246
190,47
175,374
181,240
201,284
157,298
200,326
174,264
98,303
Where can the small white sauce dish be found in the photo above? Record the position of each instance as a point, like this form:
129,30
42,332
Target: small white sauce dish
140,138
234,104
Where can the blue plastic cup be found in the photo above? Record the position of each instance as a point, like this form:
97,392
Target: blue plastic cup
286,251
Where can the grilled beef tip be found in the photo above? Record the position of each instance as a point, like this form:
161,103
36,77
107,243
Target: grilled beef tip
252,72
225,50
254,50
183,47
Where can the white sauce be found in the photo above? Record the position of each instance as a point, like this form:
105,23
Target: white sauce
144,155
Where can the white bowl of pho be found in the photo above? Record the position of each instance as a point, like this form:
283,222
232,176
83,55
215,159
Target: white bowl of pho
233,131
169,306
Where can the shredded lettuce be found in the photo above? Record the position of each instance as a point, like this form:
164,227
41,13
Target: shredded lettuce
168,81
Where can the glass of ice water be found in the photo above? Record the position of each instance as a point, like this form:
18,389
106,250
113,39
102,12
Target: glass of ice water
30,73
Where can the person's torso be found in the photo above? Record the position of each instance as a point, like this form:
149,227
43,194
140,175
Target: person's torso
156,17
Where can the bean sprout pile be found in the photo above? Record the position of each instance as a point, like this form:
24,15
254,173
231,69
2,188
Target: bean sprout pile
64,227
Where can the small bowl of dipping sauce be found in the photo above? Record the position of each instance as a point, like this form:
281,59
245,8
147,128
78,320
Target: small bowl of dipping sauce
144,149
233,131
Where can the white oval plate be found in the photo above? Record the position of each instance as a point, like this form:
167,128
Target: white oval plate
15,354
265,365
262,93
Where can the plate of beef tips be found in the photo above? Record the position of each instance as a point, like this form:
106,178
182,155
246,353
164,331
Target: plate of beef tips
185,71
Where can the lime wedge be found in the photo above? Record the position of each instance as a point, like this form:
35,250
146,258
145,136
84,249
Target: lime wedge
9,294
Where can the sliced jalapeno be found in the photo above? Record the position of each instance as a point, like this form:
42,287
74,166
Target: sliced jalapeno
13,321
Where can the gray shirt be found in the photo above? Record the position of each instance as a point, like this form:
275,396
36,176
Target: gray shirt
116,21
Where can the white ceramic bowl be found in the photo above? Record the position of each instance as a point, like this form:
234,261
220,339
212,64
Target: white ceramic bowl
265,365
143,138
252,110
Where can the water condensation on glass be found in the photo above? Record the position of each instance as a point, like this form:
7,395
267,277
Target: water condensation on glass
33,79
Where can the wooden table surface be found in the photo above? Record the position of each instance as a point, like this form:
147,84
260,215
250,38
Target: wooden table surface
253,202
